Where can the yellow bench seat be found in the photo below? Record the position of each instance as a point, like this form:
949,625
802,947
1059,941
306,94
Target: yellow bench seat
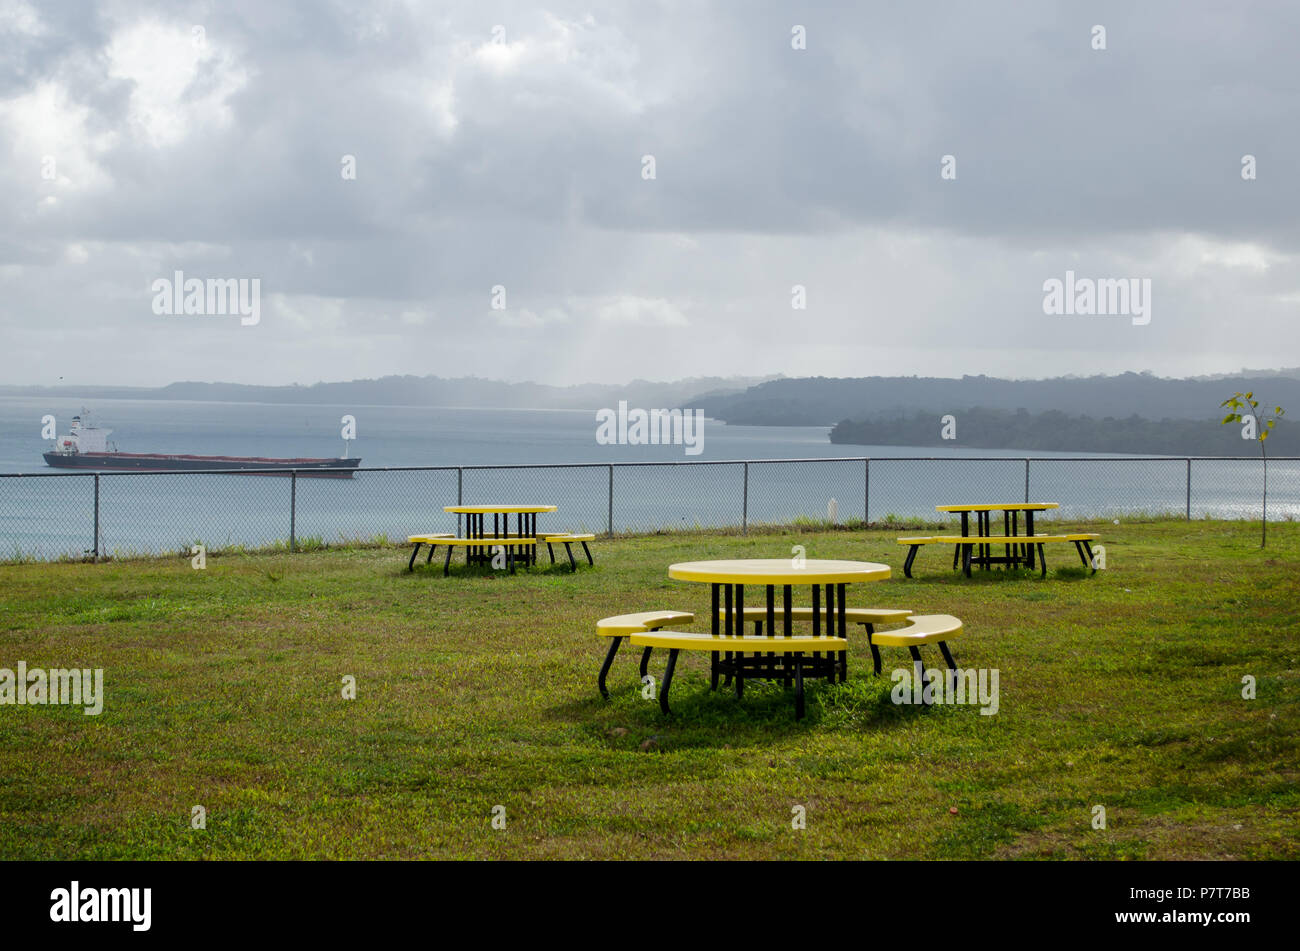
622,625
568,540
1001,539
509,542
432,539
920,629
804,652
490,540
967,544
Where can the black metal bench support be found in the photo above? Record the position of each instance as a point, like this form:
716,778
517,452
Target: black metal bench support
911,557
668,679
947,655
609,662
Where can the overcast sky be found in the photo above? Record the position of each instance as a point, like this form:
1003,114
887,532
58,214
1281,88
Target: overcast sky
503,143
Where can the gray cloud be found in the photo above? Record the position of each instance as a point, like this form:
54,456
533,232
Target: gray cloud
519,164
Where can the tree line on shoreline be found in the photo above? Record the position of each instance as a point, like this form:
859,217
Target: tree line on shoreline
1057,431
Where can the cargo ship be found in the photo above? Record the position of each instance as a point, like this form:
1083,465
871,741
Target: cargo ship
86,446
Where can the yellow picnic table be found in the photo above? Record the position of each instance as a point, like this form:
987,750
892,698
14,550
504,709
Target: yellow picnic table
503,509
476,523
1015,554
727,580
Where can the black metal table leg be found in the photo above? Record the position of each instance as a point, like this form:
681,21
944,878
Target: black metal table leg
1016,548
410,565
1006,533
816,620
843,632
1029,532
715,656
831,614
738,659
771,623
798,686
986,550
965,533
726,610
787,623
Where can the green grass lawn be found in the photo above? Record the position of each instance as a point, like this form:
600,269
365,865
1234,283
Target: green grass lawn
224,689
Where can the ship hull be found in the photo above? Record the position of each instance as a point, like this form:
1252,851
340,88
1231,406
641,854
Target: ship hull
235,465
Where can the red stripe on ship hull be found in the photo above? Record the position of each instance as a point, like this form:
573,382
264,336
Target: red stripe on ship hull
316,468
188,458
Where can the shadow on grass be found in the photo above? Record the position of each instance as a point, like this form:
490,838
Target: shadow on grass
706,719
425,570
1017,575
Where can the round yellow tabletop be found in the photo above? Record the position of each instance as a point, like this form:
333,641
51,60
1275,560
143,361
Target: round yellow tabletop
778,571
497,509
999,507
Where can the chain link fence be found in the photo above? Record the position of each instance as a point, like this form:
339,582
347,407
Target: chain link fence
69,515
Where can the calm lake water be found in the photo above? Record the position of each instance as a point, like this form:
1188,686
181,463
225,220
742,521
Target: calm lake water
49,517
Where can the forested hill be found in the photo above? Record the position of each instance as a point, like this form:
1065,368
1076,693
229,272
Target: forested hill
417,391
1054,431
824,401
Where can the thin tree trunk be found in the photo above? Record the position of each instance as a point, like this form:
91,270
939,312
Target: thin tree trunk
1263,528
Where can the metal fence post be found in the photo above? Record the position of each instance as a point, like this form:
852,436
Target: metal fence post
744,506
96,550
866,491
460,493
1189,489
611,501
293,510
1026,479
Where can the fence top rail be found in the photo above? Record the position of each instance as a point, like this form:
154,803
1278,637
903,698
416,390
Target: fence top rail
635,465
